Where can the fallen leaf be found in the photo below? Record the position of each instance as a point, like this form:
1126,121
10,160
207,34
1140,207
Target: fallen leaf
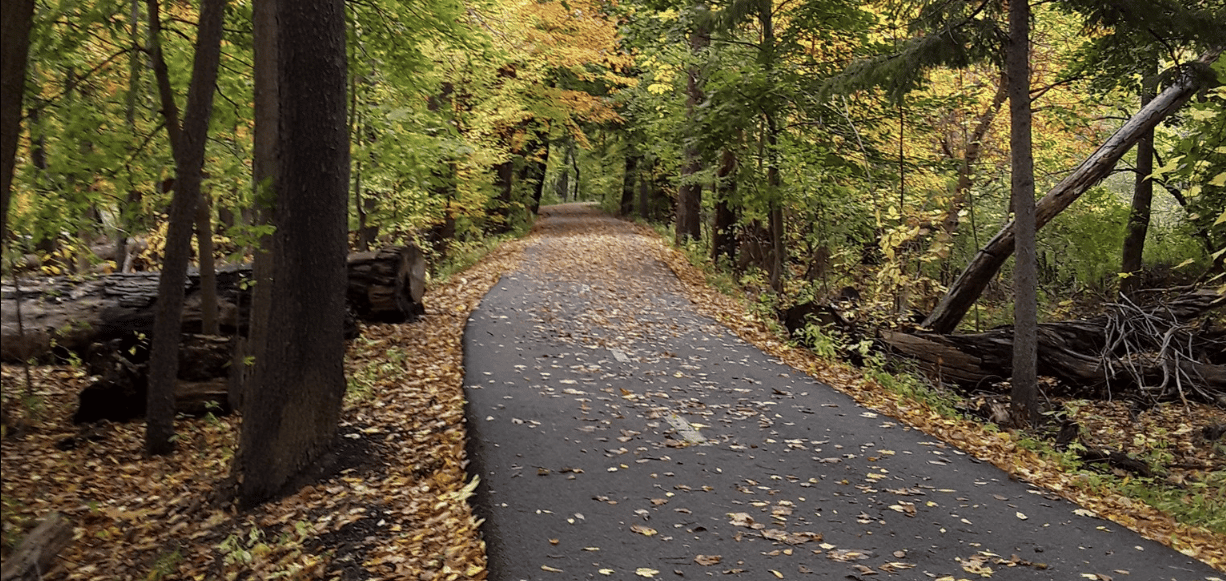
642,530
707,560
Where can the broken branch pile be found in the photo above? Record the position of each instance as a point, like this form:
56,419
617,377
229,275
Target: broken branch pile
1174,349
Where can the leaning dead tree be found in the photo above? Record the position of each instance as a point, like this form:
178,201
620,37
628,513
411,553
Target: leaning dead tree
1170,350
975,277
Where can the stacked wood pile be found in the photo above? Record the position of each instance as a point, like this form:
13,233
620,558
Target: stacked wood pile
1172,349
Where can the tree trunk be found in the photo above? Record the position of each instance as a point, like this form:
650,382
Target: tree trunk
976,276
1142,197
645,193
208,270
775,222
689,192
17,18
626,207
535,156
189,147
293,406
121,366
723,231
387,286
265,160
1025,396
504,183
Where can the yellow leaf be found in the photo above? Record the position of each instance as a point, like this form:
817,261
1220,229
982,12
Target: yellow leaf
645,572
642,530
776,574
606,572
1022,516
1221,218
1188,261
1218,180
550,569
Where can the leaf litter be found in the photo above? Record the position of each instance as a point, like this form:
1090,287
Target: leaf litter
401,513
396,508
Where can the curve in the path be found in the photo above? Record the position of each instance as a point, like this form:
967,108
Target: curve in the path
620,435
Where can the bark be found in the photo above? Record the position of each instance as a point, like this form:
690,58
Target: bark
1025,397
265,159
208,269
188,146
293,405
504,183
645,194
775,222
976,276
387,286
34,558
689,192
723,231
16,20
1142,198
532,171
626,206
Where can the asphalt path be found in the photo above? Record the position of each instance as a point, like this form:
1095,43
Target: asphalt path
618,434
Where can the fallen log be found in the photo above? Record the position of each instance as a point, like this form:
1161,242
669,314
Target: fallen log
1160,353
63,315
121,366
35,556
387,285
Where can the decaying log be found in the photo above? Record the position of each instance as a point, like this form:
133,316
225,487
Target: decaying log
65,314
388,285
1169,356
121,365
35,556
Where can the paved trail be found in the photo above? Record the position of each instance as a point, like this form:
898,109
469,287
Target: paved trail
620,435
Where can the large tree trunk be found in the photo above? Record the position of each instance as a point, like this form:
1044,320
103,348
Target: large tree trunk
292,407
71,314
188,146
16,20
970,284
1025,395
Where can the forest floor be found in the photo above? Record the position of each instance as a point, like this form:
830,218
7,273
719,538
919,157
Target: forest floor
396,506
